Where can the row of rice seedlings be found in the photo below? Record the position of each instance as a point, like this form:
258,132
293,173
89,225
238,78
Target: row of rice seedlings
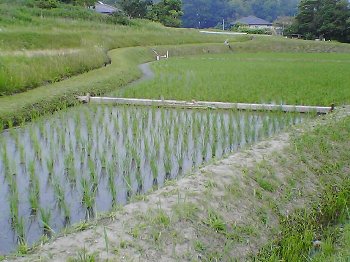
17,222
127,142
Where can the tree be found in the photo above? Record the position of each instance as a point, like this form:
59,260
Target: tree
136,8
323,18
205,13
167,12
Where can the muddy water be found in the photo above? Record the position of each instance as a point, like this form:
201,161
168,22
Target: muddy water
89,160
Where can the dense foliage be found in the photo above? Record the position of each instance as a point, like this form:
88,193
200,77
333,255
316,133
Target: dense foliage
329,19
208,13
167,12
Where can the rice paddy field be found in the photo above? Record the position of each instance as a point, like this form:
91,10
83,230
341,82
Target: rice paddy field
62,170
278,78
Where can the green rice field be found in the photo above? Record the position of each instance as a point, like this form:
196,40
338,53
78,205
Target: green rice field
280,78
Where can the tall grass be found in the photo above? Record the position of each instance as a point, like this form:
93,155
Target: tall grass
21,73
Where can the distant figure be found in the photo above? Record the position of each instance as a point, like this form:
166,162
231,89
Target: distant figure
227,44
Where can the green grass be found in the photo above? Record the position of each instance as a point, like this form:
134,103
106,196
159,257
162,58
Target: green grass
335,249
24,27
298,78
301,230
324,152
21,73
45,99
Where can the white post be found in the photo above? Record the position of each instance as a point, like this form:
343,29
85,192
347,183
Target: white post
223,24
167,54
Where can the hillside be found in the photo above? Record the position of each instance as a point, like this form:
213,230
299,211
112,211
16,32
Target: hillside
41,47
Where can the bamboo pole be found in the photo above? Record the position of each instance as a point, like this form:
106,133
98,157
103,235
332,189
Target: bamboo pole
205,104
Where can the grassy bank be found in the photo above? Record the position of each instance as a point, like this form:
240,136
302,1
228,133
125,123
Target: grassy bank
320,231
91,40
20,73
17,109
25,27
282,78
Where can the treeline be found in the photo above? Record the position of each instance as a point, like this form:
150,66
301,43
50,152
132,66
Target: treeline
208,13
167,12
324,19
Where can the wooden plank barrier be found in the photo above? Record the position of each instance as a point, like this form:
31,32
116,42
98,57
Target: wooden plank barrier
205,104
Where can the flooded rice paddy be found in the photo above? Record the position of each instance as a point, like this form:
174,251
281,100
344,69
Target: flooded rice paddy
63,170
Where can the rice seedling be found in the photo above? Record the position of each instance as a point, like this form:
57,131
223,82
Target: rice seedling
93,176
14,202
88,195
34,195
154,169
66,213
20,230
50,165
22,154
167,166
45,216
59,192
5,159
112,188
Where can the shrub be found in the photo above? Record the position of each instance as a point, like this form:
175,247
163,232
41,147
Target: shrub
46,4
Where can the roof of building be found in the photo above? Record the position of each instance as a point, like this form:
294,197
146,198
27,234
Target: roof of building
104,8
252,20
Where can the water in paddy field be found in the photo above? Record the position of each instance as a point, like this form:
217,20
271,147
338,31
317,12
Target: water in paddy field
63,170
